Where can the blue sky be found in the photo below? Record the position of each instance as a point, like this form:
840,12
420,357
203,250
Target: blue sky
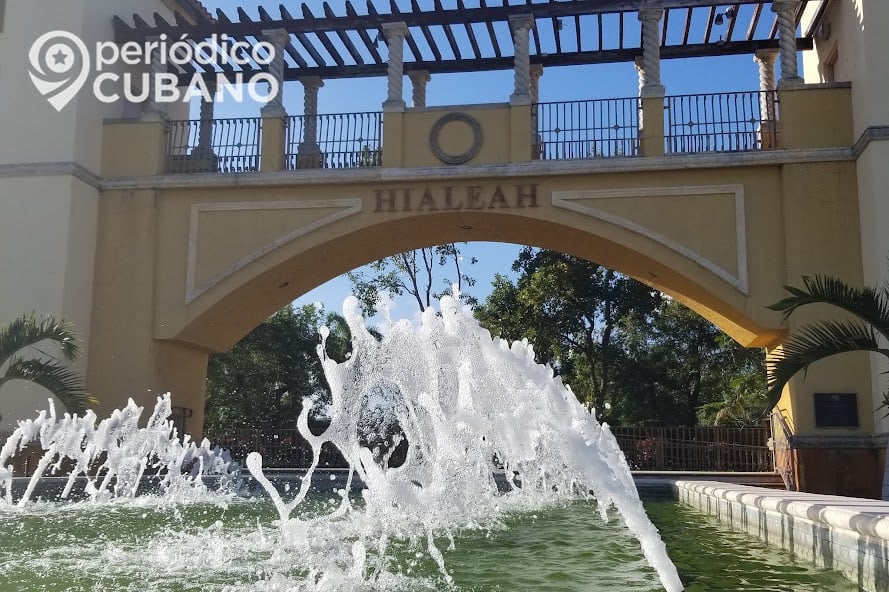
680,76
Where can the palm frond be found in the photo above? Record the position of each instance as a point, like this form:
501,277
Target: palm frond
816,342
867,303
56,378
29,330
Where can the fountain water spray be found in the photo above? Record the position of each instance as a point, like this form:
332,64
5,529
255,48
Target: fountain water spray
114,456
448,429
487,430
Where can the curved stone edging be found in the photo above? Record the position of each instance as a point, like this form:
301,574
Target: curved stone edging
849,535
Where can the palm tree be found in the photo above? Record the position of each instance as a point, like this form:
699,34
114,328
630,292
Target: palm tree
867,330
27,332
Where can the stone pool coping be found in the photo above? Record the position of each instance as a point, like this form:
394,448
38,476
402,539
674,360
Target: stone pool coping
849,535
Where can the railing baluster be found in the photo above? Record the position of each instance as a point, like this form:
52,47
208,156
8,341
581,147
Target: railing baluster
721,122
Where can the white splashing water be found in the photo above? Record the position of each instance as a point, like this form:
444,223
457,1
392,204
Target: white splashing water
126,451
487,431
474,411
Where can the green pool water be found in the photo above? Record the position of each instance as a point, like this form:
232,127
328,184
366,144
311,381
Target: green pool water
233,547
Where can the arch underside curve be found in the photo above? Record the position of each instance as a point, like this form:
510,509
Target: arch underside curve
226,311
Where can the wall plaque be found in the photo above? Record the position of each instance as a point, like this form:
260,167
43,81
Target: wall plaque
836,410
477,138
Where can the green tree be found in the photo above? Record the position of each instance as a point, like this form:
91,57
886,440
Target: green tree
24,357
637,357
263,380
414,273
572,310
700,363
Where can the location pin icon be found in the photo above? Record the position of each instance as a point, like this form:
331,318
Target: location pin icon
60,64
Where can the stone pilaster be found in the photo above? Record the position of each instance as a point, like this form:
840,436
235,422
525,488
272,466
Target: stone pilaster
279,38
395,34
153,110
419,79
521,27
651,52
765,59
786,11
309,151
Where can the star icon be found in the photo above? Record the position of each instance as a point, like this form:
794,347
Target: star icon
60,57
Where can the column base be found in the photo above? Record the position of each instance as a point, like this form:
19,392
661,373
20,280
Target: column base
653,91
270,111
519,99
394,107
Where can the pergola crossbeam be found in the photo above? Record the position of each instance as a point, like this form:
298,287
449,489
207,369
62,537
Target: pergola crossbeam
330,45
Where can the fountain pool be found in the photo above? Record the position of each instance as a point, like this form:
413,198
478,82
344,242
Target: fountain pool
509,483
231,545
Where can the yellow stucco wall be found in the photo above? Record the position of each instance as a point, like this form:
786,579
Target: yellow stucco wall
188,266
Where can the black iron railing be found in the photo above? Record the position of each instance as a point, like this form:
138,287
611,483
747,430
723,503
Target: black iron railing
696,448
214,146
721,122
335,141
655,449
598,128
782,447
280,448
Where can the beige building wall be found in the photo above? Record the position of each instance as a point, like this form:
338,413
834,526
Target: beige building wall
852,45
49,164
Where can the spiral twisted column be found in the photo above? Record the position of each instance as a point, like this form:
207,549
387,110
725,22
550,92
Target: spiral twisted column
419,78
521,26
279,38
651,51
205,131
395,34
765,59
311,84
153,109
786,11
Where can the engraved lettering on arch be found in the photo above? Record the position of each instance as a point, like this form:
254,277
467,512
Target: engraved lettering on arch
456,197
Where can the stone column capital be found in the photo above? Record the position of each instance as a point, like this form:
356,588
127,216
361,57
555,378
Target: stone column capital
650,14
782,5
393,31
519,22
311,82
536,70
768,56
277,37
419,76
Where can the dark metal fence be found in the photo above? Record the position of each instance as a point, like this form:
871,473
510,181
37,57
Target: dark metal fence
280,448
785,454
696,448
598,128
214,146
342,140
721,122
652,449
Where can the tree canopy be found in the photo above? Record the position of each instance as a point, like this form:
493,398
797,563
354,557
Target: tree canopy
424,274
263,379
24,357
634,355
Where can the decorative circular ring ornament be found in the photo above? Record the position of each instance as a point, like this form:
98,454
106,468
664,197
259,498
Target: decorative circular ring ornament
477,138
